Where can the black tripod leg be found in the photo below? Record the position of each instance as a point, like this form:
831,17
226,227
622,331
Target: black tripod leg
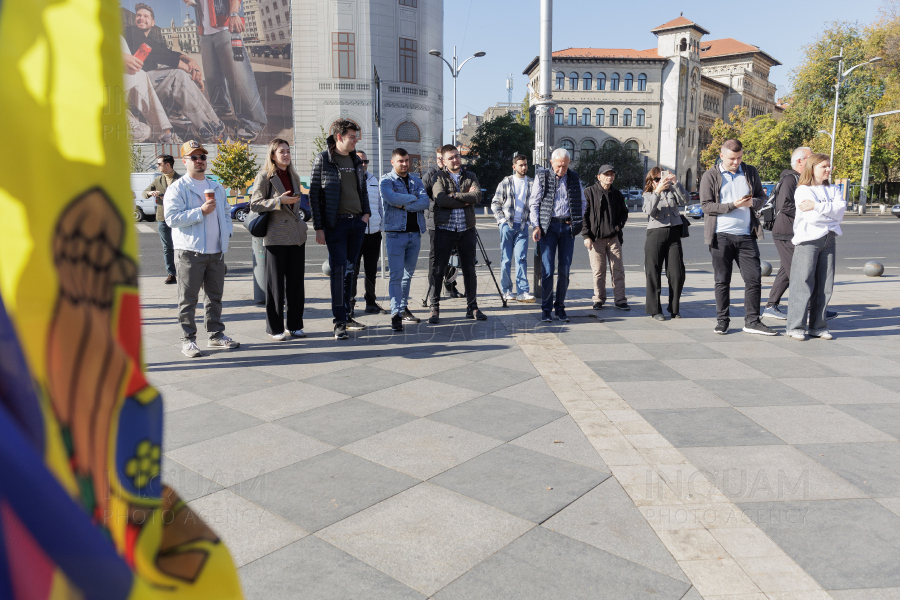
488,263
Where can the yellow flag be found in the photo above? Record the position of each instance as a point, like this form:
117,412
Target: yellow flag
83,510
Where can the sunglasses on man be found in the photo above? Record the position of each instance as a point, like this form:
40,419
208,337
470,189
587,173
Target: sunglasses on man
365,162
196,157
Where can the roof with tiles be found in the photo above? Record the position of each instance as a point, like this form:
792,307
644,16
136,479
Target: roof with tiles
679,23
730,47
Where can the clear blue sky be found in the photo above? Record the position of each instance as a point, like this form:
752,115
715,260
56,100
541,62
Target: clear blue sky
508,31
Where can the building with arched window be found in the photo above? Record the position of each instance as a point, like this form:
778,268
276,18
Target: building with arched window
659,103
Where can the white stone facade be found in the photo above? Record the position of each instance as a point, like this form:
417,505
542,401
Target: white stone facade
274,21
336,44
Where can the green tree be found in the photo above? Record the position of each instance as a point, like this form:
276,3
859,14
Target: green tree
319,143
525,117
628,166
493,146
235,165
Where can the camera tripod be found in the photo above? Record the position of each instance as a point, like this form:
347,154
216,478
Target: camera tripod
487,262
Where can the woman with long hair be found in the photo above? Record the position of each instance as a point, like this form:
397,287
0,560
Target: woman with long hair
817,223
277,190
662,197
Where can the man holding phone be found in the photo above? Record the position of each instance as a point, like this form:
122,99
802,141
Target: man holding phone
730,195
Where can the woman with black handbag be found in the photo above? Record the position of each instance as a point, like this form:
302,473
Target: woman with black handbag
665,228
277,192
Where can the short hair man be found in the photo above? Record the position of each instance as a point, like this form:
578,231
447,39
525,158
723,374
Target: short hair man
730,195
194,207
371,246
157,189
557,215
456,191
510,207
604,222
339,200
428,179
404,199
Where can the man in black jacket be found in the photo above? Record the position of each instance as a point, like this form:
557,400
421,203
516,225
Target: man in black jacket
339,200
428,179
604,221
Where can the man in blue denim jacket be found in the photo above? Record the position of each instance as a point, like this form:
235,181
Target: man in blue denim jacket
194,207
404,200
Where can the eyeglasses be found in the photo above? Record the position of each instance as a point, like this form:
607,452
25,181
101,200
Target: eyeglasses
196,157
657,179
365,162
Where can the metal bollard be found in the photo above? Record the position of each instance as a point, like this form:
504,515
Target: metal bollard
259,271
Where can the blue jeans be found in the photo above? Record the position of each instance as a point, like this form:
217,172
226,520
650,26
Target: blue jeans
402,253
165,234
344,242
513,242
812,281
557,238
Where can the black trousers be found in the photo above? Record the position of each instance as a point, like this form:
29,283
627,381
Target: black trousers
447,286
285,269
726,250
444,242
368,256
782,279
663,245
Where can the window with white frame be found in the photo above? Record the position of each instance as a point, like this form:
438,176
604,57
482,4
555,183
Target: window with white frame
642,83
613,117
639,118
558,114
586,116
560,81
626,118
588,146
601,81
614,82
587,82
573,80
569,146
601,117
573,116
629,82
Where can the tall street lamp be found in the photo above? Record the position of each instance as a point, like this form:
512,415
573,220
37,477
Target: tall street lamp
839,59
828,133
454,71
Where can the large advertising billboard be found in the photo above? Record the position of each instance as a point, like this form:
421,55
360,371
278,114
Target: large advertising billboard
207,70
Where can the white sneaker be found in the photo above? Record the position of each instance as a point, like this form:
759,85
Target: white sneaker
297,333
824,334
797,334
525,297
278,337
508,296
190,349
222,342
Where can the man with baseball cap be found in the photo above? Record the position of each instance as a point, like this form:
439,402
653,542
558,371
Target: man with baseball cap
194,208
604,221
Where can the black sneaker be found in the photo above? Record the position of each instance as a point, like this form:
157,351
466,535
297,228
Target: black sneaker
374,309
676,315
397,322
354,325
622,306
408,317
545,317
830,314
476,314
598,306
435,317
562,316
721,327
340,331
759,329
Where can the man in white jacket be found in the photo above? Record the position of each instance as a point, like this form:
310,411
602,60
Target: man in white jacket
371,247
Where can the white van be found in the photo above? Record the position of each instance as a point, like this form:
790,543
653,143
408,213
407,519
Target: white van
144,208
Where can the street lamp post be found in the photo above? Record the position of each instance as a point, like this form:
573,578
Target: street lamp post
454,71
839,59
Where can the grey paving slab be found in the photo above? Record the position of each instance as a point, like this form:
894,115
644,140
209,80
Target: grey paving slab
693,594
614,320
344,422
282,400
175,398
496,417
685,350
842,544
892,504
734,335
844,390
421,397
749,349
313,569
591,337
515,360
422,448
481,378
767,474
859,366
248,530
820,348
302,365
189,485
202,422
654,336
543,564
713,368
871,467
486,349
666,394
532,391
635,370
888,383
225,383
868,594
787,367
885,417
756,392
563,439
528,484
603,352
248,453
324,489
814,424
427,536
358,380
419,364
606,518
708,427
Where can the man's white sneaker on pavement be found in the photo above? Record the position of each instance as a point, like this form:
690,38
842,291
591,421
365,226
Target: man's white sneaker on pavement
189,348
297,333
759,329
508,296
822,334
775,312
525,297
797,334
278,337
222,341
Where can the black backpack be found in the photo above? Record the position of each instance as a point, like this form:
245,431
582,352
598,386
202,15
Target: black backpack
768,213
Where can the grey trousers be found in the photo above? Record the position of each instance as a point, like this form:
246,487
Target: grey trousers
175,90
195,271
231,84
812,281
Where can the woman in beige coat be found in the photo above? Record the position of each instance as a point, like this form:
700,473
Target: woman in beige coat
277,190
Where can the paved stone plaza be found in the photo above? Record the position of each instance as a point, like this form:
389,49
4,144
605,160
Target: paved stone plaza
614,459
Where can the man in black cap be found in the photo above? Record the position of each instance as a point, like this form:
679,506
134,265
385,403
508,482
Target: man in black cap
604,220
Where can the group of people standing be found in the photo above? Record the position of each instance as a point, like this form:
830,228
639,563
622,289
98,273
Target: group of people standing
351,210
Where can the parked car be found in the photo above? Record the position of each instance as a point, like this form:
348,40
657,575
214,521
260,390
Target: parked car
240,209
145,208
895,210
695,196
694,211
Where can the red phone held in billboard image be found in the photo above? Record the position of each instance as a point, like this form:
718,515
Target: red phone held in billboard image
142,53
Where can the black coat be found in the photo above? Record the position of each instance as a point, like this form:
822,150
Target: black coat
783,229
605,214
325,187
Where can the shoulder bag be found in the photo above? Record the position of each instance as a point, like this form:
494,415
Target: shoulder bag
258,223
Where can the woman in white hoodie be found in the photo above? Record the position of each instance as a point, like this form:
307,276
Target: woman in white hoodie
820,209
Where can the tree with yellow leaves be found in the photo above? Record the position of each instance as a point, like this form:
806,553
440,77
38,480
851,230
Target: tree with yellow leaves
235,165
